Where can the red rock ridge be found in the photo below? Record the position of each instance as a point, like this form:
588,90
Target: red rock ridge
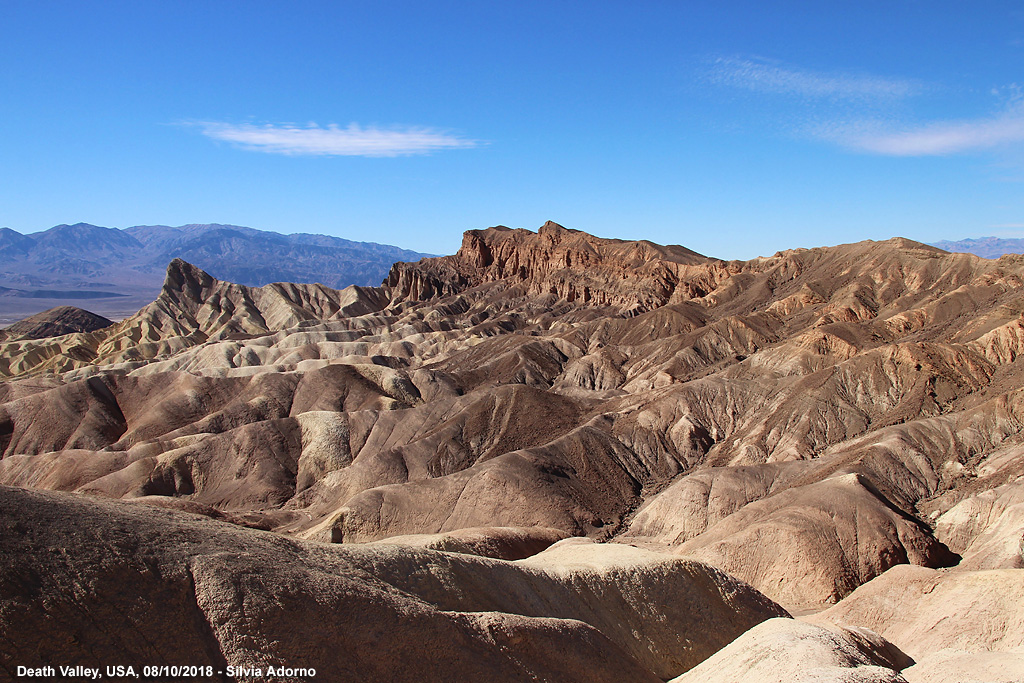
634,276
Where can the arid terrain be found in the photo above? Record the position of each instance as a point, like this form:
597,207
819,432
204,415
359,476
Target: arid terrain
550,456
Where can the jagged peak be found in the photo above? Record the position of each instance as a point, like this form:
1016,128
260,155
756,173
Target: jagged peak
183,276
179,265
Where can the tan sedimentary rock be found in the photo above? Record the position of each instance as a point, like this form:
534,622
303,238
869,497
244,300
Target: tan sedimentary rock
503,542
55,322
924,610
192,308
959,666
987,529
807,421
785,650
170,588
814,544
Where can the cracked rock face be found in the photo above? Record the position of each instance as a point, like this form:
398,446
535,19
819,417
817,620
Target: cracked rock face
811,423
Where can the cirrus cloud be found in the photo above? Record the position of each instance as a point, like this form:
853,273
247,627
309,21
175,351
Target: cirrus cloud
870,113
762,75
333,140
930,139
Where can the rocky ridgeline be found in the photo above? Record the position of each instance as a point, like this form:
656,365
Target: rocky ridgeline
567,264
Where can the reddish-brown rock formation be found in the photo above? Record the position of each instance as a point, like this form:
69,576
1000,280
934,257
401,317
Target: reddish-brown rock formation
568,264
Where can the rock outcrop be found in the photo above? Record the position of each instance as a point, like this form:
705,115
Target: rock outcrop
785,650
56,322
192,309
923,611
566,264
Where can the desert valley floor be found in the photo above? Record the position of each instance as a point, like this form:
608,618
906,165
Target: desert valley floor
550,456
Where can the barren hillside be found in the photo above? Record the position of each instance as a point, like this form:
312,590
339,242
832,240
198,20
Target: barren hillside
839,427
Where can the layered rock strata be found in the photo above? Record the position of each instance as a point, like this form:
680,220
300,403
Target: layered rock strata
811,423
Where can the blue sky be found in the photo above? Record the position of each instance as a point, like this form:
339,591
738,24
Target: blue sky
736,129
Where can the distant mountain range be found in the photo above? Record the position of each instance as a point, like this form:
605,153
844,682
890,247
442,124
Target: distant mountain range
83,255
121,270
985,247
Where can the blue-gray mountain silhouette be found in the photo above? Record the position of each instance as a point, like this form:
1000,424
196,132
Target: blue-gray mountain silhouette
93,258
985,247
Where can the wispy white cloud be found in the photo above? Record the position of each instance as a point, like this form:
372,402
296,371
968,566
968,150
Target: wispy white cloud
333,140
870,113
929,139
765,76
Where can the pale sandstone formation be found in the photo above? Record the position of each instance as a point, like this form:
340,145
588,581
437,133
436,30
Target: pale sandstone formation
959,666
816,543
693,504
923,610
988,528
789,651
